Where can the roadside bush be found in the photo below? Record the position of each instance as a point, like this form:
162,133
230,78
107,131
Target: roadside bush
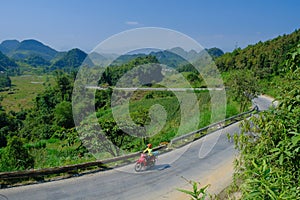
15,156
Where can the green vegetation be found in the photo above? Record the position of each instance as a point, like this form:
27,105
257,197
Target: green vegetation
4,81
198,193
15,156
266,60
71,61
45,130
269,162
36,61
112,74
243,87
6,64
215,52
140,105
33,57
8,46
23,90
32,47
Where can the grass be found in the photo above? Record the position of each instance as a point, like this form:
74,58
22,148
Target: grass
23,91
56,153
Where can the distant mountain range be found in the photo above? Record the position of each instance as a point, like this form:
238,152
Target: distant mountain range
174,57
36,54
21,50
264,58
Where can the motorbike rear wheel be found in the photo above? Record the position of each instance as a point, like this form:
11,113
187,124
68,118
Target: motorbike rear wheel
138,167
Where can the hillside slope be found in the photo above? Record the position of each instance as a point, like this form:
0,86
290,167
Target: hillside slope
6,63
265,58
72,60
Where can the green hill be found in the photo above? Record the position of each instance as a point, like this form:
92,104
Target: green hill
33,47
8,46
264,58
215,52
71,60
31,54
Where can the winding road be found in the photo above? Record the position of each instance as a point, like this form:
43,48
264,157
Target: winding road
159,183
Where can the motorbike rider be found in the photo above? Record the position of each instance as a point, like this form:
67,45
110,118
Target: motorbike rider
149,151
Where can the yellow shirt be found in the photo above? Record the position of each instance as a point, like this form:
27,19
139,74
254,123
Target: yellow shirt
149,151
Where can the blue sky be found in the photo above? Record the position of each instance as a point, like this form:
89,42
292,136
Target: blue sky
65,24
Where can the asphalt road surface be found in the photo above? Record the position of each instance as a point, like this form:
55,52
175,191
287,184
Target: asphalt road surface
159,183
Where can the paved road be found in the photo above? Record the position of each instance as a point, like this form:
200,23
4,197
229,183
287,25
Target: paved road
123,183
264,102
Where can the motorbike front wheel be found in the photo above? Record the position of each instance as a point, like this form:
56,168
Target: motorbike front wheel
138,167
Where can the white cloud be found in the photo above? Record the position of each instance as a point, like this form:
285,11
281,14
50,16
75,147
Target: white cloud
132,23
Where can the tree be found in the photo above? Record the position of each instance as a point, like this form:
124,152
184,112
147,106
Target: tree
243,87
64,86
95,140
63,115
15,156
9,124
52,110
112,74
103,98
115,135
4,123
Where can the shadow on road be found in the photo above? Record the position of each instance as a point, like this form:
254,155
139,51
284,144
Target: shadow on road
156,168
160,167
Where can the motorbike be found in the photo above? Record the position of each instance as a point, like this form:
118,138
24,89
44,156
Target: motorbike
145,162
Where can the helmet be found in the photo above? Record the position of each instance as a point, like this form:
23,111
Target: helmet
149,145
